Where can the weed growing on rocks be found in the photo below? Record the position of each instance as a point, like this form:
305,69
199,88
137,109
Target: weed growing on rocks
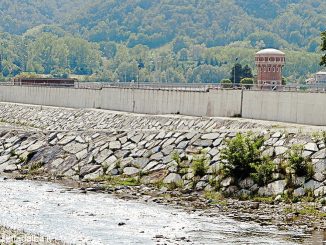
269,200
301,165
35,168
117,180
176,157
263,171
200,165
174,185
324,137
309,197
105,167
215,197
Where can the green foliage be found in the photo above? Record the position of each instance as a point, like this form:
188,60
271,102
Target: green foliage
247,82
116,180
35,168
226,83
288,23
269,200
176,157
323,48
238,73
300,165
241,154
107,39
324,137
263,171
175,185
215,197
200,164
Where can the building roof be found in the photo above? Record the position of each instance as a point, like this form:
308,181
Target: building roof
270,51
321,73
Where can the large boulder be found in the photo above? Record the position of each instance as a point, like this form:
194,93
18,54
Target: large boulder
311,147
320,192
319,155
246,183
74,147
210,136
273,189
130,171
172,178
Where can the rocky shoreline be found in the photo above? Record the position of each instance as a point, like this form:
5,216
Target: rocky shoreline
153,158
284,216
307,217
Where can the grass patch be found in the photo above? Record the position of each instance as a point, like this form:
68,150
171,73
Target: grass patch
306,210
216,197
34,169
268,200
116,180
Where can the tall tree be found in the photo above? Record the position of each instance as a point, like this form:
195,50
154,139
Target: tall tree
246,72
236,73
323,48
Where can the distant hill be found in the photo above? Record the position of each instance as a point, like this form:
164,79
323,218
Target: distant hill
157,40
294,24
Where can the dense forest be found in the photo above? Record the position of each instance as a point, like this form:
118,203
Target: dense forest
157,40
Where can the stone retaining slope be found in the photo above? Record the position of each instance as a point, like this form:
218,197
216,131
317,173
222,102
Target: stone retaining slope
85,144
63,119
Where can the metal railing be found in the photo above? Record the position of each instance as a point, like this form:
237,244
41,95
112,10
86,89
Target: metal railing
206,86
200,87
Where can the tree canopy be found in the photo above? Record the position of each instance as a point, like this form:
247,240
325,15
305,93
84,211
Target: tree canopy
281,24
323,48
175,41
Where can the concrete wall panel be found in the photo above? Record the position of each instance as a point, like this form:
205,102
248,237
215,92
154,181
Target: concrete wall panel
295,107
213,103
304,108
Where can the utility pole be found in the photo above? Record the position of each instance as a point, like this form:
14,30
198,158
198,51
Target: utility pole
140,66
236,59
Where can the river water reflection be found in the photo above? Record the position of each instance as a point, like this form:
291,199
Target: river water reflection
50,210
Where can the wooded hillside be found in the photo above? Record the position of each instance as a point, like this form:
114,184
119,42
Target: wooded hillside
170,36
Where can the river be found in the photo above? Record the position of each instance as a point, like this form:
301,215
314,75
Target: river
73,217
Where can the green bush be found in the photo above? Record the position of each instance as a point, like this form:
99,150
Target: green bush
247,82
301,165
241,154
324,137
226,83
264,171
200,165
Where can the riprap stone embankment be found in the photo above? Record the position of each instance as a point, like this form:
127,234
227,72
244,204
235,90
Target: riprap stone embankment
86,144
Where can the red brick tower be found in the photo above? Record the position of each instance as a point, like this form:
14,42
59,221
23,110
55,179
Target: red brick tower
269,64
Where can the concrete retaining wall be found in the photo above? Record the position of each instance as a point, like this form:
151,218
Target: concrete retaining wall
295,107
223,103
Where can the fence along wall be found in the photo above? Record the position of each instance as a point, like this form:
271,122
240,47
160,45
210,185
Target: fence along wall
222,103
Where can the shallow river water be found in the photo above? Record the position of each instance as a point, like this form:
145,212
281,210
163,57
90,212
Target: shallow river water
52,211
